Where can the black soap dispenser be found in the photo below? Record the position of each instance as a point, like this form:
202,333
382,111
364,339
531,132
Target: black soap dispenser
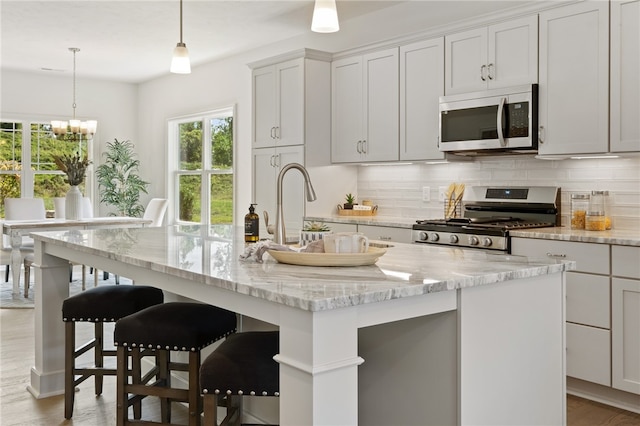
251,225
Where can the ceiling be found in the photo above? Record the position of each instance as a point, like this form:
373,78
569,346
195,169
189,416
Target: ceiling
132,41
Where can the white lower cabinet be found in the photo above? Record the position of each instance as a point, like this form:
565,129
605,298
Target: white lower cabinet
589,354
625,318
603,309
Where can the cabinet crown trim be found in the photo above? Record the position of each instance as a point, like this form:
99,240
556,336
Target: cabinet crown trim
300,53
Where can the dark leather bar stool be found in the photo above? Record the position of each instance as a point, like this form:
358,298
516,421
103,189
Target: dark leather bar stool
158,330
242,365
98,305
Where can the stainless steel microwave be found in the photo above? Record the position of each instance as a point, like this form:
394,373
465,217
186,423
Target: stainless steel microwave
490,122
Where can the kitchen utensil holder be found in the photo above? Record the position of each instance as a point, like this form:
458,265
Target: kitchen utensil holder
452,209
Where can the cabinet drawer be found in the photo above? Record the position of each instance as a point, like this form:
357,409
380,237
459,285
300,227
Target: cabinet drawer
593,258
386,233
625,261
589,354
588,299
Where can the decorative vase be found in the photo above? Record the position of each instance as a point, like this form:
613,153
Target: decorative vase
73,204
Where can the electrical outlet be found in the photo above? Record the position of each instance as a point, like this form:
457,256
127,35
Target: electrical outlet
442,193
426,193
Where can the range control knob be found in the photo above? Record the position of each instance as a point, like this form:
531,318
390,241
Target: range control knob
453,239
423,236
486,242
473,240
434,237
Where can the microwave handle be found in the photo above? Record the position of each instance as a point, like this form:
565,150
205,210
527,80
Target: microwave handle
499,124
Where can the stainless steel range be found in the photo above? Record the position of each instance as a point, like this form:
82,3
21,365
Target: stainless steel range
489,213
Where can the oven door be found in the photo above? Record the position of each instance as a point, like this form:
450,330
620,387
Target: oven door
492,120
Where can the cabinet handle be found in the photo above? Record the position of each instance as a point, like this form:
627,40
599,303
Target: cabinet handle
359,147
541,134
278,160
364,146
556,255
272,134
276,132
490,69
272,161
482,73
381,238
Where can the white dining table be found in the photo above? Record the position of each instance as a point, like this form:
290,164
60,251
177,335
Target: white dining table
16,229
490,350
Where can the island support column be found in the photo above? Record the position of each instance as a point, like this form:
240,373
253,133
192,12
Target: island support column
512,352
51,289
318,367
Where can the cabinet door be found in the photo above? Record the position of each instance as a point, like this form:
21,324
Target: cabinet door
290,102
513,53
465,61
574,79
381,106
264,107
264,185
625,75
346,110
625,334
588,301
589,354
421,85
267,163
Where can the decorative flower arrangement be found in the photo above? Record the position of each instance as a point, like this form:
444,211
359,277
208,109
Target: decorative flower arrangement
74,166
313,231
316,227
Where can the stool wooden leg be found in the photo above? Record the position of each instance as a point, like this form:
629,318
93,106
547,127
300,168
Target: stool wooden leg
98,356
164,375
195,400
210,405
69,365
136,379
121,381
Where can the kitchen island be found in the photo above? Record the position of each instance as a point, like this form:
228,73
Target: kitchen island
508,336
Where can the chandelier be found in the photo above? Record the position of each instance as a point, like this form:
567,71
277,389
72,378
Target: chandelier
74,130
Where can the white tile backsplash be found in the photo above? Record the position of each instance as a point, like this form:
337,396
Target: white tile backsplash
397,190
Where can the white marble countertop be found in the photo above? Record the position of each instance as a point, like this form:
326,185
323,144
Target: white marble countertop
625,237
210,255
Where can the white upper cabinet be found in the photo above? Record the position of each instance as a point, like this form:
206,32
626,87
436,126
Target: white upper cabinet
278,104
501,55
421,85
365,108
574,79
625,76
291,102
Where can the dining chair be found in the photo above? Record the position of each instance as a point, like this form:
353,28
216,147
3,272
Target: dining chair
156,210
59,207
22,209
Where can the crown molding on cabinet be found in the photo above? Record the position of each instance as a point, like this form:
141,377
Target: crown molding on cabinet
295,54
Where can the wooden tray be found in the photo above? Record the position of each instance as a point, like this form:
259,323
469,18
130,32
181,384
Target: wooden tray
328,259
349,212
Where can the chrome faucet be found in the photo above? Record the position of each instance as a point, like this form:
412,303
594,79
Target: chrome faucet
280,236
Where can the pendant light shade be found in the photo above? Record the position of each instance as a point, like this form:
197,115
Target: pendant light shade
325,17
180,62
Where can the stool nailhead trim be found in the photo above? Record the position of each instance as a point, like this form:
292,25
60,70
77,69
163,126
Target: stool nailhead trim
175,348
240,392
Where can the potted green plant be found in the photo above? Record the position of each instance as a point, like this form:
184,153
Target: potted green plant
313,231
118,180
350,201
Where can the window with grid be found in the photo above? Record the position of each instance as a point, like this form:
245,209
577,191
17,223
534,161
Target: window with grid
202,156
27,168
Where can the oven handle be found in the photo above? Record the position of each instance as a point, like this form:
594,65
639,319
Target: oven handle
499,124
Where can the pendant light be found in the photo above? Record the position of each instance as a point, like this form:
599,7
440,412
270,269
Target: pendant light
180,62
74,130
325,17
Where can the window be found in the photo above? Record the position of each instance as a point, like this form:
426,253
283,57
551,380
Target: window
202,157
27,168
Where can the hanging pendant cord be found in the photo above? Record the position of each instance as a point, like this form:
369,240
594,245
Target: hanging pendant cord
181,22
74,50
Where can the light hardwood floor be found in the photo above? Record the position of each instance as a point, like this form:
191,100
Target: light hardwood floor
17,407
